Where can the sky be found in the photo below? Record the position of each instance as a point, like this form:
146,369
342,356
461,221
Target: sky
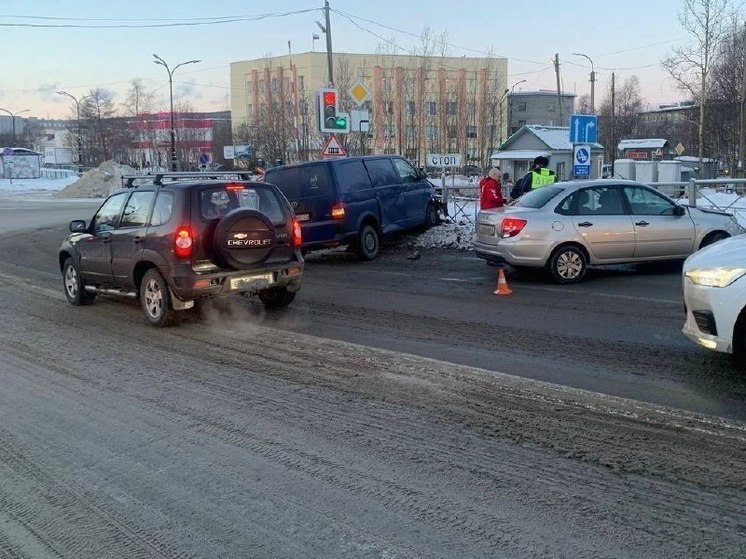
79,45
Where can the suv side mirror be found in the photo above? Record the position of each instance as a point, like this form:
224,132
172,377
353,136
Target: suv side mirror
77,226
679,210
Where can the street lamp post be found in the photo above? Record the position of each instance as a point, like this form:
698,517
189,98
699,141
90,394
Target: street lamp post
79,140
593,81
510,106
13,120
160,61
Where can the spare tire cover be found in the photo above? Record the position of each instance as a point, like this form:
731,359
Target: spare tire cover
243,238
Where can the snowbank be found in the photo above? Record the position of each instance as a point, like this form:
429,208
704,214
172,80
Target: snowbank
98,182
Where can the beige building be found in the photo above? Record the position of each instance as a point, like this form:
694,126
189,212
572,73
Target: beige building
417,104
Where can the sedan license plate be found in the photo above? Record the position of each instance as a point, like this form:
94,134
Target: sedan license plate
255,281
483,229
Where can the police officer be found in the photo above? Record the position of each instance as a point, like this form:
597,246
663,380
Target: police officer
538,176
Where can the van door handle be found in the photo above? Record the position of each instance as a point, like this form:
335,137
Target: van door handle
642,223
585,224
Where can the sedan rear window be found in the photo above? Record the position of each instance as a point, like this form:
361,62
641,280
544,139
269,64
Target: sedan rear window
539,197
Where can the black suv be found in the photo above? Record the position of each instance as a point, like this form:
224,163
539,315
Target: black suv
180,237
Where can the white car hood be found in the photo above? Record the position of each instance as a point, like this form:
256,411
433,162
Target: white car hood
726,253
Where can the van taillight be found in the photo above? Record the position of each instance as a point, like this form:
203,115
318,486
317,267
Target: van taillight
511,226
338,211
183,242
297,239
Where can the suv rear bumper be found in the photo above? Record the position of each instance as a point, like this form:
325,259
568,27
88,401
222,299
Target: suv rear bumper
188,285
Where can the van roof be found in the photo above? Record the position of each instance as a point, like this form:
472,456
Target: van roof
333,161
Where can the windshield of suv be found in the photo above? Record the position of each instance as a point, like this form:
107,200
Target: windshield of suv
539,197
218,200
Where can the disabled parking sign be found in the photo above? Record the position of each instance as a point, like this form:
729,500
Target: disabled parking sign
581,161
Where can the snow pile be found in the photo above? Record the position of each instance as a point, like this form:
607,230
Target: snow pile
448,235
98,182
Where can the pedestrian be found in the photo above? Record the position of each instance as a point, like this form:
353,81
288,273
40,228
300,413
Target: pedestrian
490,191
538,176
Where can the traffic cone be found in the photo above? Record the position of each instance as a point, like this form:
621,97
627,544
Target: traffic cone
502,285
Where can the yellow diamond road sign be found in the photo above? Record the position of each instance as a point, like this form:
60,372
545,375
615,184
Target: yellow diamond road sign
359,92
679,149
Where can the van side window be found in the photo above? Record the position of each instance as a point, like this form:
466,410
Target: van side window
382,172
352,177
405,170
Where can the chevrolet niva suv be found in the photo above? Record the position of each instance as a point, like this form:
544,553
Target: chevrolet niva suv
181,237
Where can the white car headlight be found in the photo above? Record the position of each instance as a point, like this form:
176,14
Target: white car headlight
715,277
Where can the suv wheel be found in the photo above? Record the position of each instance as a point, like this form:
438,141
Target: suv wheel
154,298
75,287
368,242
276,297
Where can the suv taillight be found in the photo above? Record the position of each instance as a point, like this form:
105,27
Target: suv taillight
183,242
297,239
338,211
511,226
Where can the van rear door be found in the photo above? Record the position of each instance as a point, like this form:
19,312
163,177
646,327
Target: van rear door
311,192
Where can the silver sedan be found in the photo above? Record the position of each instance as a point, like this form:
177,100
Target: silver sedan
569,226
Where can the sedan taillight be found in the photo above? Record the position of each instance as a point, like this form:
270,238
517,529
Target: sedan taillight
511,226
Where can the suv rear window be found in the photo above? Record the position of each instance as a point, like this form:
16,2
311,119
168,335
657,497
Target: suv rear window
302,181
216,201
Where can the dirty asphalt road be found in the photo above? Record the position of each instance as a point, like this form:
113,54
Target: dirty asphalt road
308,433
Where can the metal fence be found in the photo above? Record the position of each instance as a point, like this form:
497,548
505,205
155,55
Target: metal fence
49,173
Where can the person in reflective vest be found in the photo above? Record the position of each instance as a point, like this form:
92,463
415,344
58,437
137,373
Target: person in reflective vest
538,176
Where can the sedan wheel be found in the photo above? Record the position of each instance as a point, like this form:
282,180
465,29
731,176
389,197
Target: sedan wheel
568,265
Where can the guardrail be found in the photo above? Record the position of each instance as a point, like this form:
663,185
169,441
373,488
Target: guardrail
48,173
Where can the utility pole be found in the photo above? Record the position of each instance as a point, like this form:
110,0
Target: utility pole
613,130
742,137
328,32
559,87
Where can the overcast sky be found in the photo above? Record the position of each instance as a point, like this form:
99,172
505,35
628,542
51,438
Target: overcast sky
52,45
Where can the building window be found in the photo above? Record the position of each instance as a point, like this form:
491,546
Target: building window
389,107
410,132
301,84
432,108
521,123
273,85
471,109
261,86
303,107
389,131
410,108
249,85
452,132
451,108
471,132
431,132
520,106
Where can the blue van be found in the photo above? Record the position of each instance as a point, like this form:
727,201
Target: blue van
353,201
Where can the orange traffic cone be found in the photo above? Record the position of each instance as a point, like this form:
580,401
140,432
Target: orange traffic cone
502,285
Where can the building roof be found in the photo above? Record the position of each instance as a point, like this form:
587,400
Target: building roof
22,151
649,143
547,92
556,138
519,154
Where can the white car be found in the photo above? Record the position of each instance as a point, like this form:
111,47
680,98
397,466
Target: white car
715,296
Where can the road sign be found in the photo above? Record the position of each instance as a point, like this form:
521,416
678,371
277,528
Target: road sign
583,129
679,149
7,151
581,161
359,92
204,159
443,160
332,148
359,121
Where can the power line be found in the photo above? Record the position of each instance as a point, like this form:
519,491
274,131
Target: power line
182,23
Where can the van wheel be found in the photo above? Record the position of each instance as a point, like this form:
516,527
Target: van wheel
368,242
432,217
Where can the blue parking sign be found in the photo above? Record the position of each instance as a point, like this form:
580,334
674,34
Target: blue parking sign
581,160
204,159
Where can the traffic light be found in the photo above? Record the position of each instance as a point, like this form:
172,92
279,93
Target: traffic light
330,119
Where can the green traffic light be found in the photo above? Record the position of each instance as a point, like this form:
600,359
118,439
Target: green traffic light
341,122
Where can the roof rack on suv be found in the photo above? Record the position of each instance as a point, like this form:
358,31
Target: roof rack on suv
128,181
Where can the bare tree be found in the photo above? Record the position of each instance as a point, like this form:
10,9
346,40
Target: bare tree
627,105
706,21
96,112
139,99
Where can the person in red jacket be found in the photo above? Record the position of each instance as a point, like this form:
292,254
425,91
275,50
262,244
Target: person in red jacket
490,191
